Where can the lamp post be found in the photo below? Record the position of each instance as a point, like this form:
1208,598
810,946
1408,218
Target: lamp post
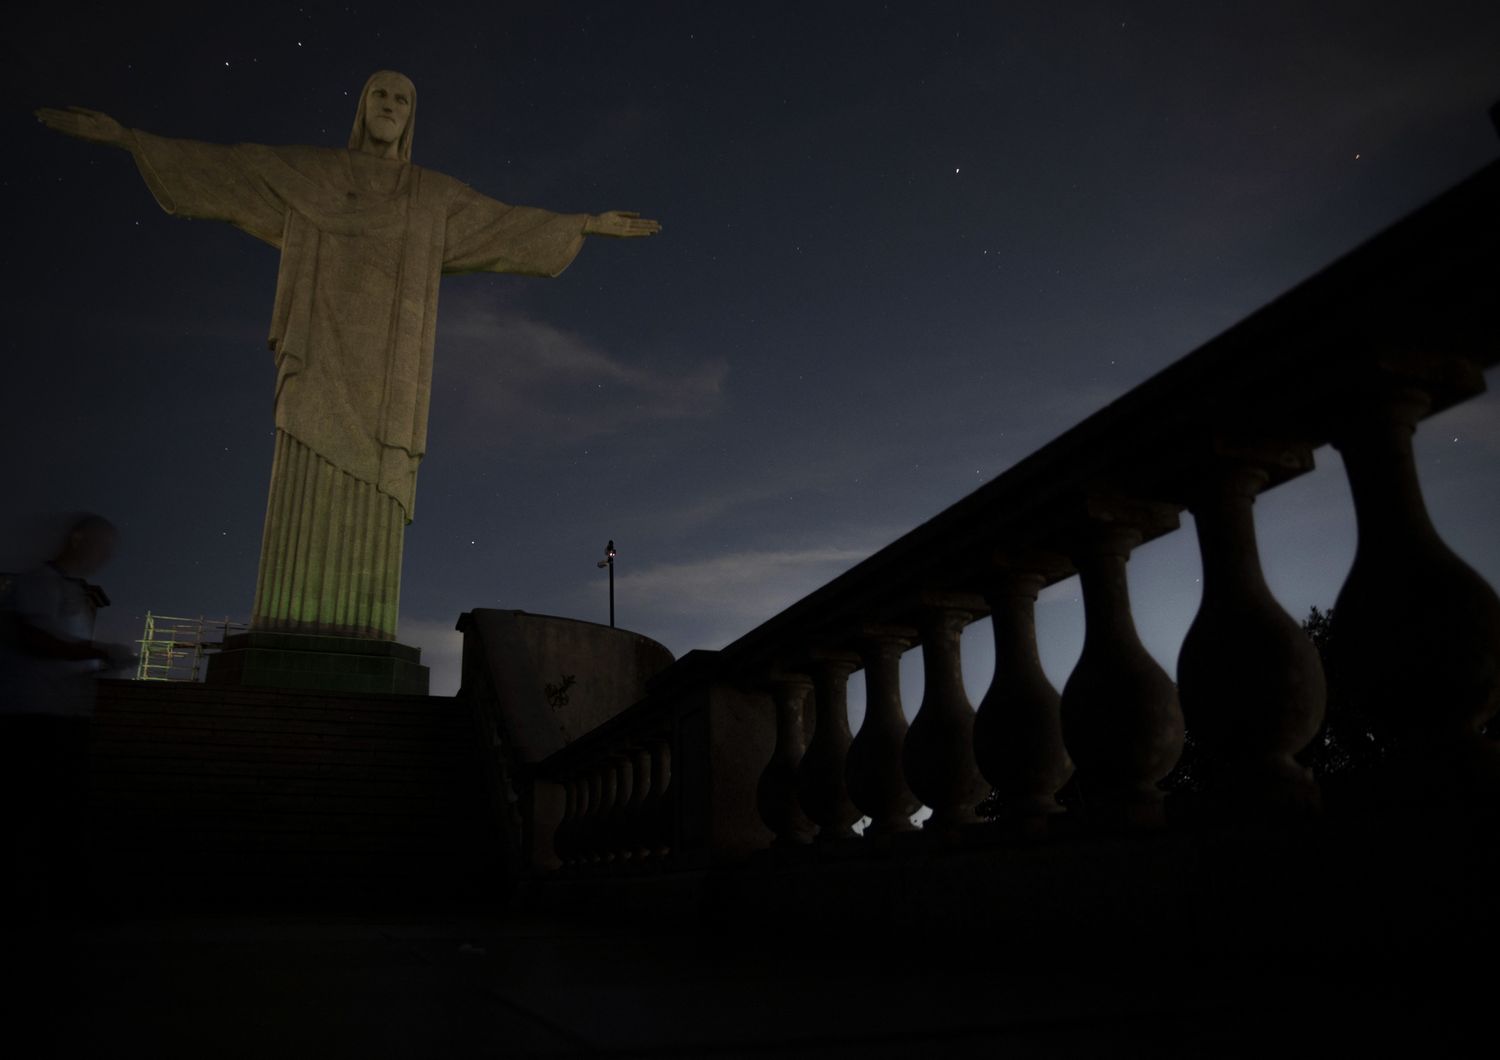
609,561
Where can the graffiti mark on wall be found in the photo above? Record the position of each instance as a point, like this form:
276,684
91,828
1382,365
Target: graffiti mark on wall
557,695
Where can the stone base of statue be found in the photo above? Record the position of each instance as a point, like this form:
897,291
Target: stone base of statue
265,659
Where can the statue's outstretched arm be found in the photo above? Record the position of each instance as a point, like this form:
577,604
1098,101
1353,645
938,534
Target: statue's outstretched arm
215,182
621,224
85,124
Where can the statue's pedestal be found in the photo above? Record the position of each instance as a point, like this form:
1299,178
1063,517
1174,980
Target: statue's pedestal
261,659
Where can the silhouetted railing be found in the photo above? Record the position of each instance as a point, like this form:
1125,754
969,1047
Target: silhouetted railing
736,750
174,648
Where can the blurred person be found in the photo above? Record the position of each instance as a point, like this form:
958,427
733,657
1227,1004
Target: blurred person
48,665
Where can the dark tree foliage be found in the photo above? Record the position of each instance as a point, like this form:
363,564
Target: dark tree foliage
1348,740
1195,769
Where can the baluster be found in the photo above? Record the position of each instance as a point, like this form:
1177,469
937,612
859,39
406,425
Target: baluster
1121,720
588,830
1415,638
820,775
1018,742
1250,680
872,770
633,824
658,810
562,837
938,756
609,807
776,793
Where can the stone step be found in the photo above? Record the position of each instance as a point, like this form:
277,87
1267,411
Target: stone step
206,799
117,778
120,740
249,880
272,754
121,713
247,871
173,761
220,797
111,821
181,845
189,716
110,692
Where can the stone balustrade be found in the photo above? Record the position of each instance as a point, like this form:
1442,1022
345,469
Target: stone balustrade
749,749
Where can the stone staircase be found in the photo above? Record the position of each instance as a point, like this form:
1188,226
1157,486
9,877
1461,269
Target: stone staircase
226,799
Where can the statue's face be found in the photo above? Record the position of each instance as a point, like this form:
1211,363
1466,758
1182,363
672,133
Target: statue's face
387,110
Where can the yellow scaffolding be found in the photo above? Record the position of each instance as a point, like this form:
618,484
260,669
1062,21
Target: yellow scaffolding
173,648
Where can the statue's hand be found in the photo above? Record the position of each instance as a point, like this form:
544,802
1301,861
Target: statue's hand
83,123
622,224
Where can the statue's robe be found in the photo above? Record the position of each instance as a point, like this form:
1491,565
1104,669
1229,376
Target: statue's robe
363,243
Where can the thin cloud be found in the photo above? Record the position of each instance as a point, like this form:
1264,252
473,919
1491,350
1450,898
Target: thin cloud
713,503
725,596
738,489
520,376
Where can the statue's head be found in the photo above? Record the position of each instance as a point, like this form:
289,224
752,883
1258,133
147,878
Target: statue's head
387,116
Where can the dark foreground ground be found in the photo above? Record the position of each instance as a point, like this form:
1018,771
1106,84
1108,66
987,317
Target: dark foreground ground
288,986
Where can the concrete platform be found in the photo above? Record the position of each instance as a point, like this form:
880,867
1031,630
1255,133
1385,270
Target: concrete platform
261,659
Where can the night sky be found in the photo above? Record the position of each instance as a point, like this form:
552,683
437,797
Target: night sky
904,246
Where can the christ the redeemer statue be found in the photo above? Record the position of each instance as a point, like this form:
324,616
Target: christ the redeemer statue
364,236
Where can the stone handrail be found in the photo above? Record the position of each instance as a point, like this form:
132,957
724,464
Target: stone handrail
755,737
